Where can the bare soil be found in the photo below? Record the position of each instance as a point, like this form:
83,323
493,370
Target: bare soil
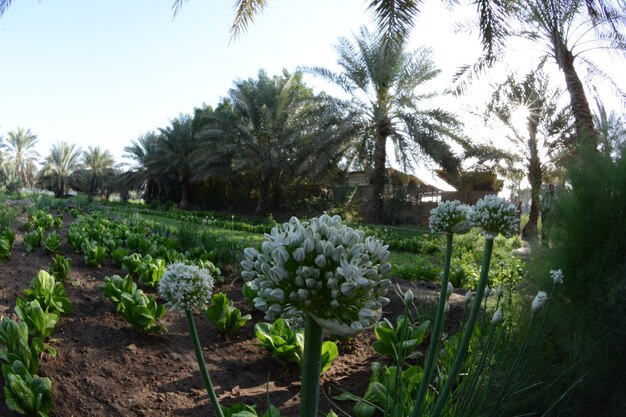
106,368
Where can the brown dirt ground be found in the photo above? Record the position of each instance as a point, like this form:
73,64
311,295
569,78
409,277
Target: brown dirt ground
106,368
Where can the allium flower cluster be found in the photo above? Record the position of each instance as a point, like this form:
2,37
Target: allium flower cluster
539,301
557,276
449,217
185,286
321,267
494,215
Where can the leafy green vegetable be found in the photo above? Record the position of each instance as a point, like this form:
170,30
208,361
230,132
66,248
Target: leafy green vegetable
131,262
118,255
26,393
137,308
60,267
14,338
94,253
150,270
40,323
224,315
287,345
50,293
32,240
52,243
399,343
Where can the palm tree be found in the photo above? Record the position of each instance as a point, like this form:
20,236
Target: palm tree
546,125
142,175
64,159
97,162
21,155
174,152
275,128
384,83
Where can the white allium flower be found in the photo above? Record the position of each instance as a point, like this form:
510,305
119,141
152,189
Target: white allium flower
185,286
408,296
557,276
449,217
497,317
493,216
539,301
320,267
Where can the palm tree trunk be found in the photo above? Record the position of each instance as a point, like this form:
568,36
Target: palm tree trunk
535,178
583,117
184,200
264,190
378,180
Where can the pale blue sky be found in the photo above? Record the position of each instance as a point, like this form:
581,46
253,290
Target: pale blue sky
104,72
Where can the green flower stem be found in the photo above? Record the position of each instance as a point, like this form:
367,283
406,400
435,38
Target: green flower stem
203,369
311,367
433,350
468,331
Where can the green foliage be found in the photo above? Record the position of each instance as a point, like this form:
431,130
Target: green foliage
40,323
7,216
94,253
150,271
130,263
137,308
32,240
26,393
402,341
118,255
587,242
42,219
15,347
224,315
7,237
50,293
422,269
60,267
52,243
287,345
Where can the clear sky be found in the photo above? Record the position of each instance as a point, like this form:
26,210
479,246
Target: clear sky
103,72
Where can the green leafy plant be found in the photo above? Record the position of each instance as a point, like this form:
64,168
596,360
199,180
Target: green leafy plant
5,248
40,323
50,293
402,341
60,267
131,262
43,220
57,223
118,255
26,393
137,308
32,240
52,243
150,270
287,345
94,253
15,346
224,315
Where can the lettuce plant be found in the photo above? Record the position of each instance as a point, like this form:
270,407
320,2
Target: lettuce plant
50,293
224,315
40,323
94,253
150,270
137,308
400,342
15,346
32,240
60,267
52,243
26,393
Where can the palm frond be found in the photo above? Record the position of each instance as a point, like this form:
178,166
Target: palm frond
4,5
246,11
395,18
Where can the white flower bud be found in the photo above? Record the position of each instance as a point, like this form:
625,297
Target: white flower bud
450,289
557,276
408,296
298,255
250,254
539,301
497,317
468,297
320,261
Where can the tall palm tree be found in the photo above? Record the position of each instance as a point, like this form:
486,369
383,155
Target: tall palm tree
385,86
538,143
97,162
277,129
174,152
64,159
21,155
142,175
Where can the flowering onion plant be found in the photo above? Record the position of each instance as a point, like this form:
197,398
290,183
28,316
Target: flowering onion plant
184,287
322,268
494,215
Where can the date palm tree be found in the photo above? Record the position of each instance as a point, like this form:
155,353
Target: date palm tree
21,156
276,129
97,162
142,174
63,161
386,89
538,143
